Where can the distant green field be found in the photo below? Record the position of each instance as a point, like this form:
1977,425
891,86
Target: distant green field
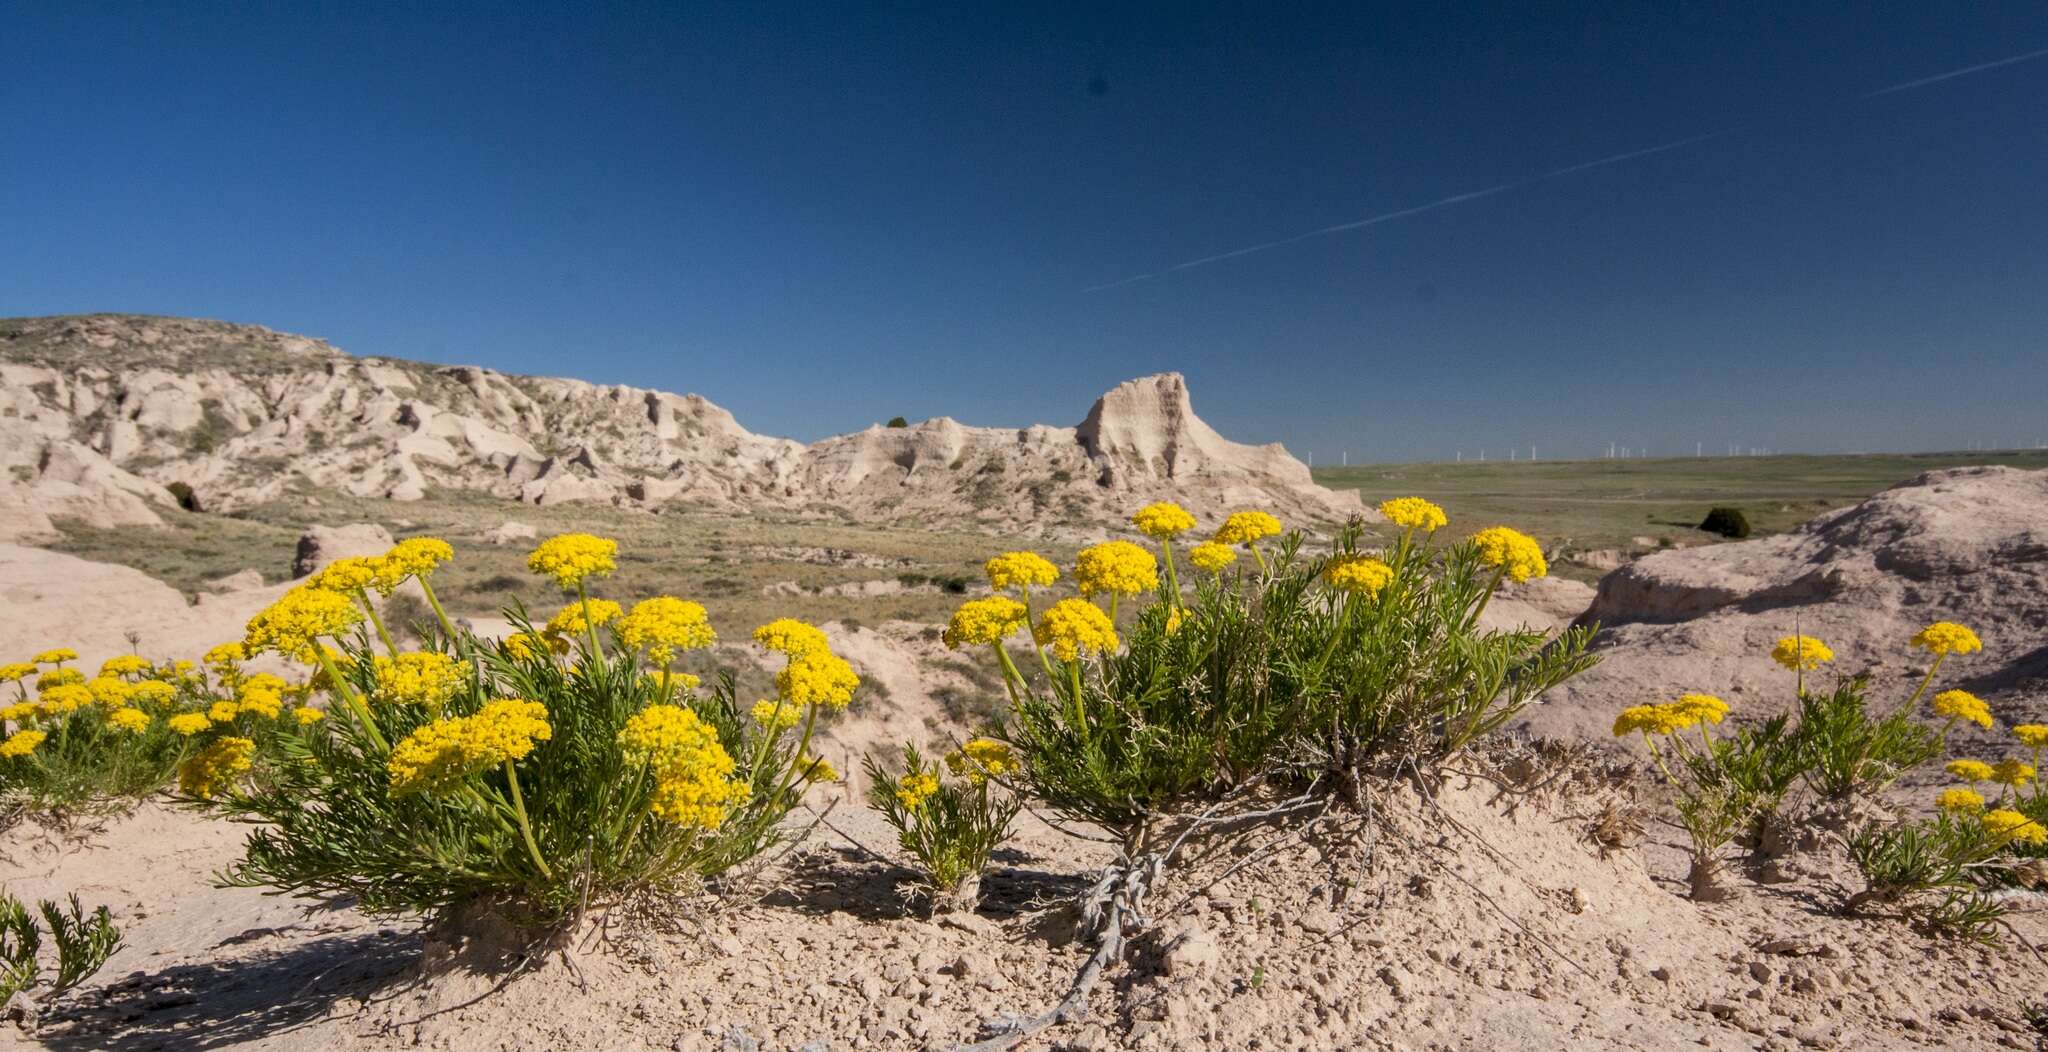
1590,504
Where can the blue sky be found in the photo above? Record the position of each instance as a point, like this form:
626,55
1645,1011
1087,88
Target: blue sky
820,219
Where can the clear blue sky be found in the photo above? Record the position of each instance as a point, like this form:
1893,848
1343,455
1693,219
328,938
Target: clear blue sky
821,219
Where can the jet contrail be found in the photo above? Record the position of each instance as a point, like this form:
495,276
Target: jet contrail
1446,202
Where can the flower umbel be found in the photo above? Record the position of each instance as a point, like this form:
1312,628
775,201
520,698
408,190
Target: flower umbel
982,621
1163,520
1414,513
573,558
1117,568
1072,627
1517,553
1801,653
1947,637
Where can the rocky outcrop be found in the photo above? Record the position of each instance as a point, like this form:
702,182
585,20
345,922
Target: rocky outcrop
117,419
1967,545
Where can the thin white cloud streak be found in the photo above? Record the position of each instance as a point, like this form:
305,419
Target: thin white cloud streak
1954,73
1456,199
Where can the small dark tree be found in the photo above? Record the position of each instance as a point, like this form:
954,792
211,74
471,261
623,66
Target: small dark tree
182,493
1726,521
897,421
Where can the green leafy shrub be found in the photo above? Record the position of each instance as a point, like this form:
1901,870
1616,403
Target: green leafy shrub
97,744
1930,871
1849,753
1726,522
897,421
566,764
82,943
949,817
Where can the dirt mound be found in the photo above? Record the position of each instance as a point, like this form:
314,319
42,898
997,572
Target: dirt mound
111,418
1967,545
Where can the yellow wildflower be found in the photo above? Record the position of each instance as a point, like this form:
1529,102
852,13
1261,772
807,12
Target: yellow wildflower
125,665
817,769
1211,556
817,678
439,756
1163,520
1702,707
1947,637
699,793
2006,824
63,698
573,558
524,645
291,625
21,743
661,734
223,711
214,766
1960,800
2032,735
982,759
1971,771
57,656
1963,705
1801,653
21,711
412,557
1656,719
306,715
1020,570
1244,527
347,576
1073,627
776,715
912,790
110,691
63,677
263,700
424,678
16,671
188,723
1358,573
665,624
1414,513
790,636
153,692
1116,567
571,620
2012,772
1515,552
128,719
225,657
980,621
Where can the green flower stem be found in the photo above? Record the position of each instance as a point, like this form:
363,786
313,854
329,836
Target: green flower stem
1924,681
1011,677
435,602
525,826
1491,587
1113,597
803,744
1256,556
1659,757
1074,681
590,628
348,696
1172,578
382,632
664,685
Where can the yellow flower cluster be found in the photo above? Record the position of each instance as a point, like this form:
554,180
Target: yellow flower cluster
1801,653
1358,573
1414,513
1117,568
348,576
1960,800
1963,705
21,743
188,723
1163,520
132,720
1212,557
981,759
2007,824
1020,570
63,677
1670,717
577,618
2012,772
524,645
776,715
1971,771
818,677
424,678
437,757
16,672
1515,552
214,766
125,665
693,783
789,636
56,656
1073,627
308,716
291,625
110,691
1947,637
64,698
980,621
153,692
665,624
412,557
1244,527
912,790
572,558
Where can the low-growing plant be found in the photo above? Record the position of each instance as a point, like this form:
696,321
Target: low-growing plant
1847,752
950,817
1934,871
80,943
1727,522
567,764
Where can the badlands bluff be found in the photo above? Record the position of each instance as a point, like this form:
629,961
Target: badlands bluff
110,418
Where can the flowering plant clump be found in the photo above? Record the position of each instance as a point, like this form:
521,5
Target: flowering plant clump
72,743
948,818
544,772
1414,513
1314,671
